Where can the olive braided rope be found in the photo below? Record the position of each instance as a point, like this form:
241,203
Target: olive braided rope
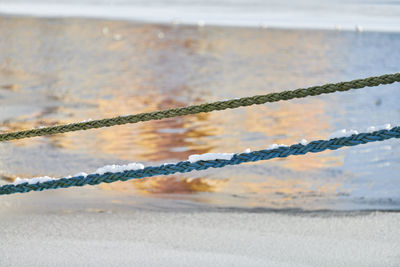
207,107
186,166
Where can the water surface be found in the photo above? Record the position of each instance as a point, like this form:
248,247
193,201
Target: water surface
55,71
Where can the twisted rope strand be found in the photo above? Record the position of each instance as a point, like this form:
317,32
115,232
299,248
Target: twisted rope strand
207,107
186,166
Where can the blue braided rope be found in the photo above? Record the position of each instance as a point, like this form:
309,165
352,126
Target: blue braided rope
186,166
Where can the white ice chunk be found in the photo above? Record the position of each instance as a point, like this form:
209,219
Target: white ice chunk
119,168
160,35
117,37
342,133
370,129
303,142
102,170
84,174
386,126
201,23
275,146
210,156
105,30
32,180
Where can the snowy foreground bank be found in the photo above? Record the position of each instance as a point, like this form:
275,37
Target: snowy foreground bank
68,231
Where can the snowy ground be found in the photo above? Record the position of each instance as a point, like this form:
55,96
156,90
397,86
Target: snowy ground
62,231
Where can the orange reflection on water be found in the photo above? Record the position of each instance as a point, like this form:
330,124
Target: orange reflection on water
288,123
168,185
153,140
129,69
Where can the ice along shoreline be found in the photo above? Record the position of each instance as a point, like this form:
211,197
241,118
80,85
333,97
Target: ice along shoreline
330,15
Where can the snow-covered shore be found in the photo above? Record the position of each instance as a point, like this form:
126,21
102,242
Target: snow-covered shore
310,14
73,230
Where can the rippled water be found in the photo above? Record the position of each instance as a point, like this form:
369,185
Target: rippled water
55,71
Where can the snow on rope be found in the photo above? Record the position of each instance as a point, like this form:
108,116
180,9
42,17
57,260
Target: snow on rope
207,107
127,172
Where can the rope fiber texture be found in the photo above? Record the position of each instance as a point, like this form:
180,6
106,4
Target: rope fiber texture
207,107
186,166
